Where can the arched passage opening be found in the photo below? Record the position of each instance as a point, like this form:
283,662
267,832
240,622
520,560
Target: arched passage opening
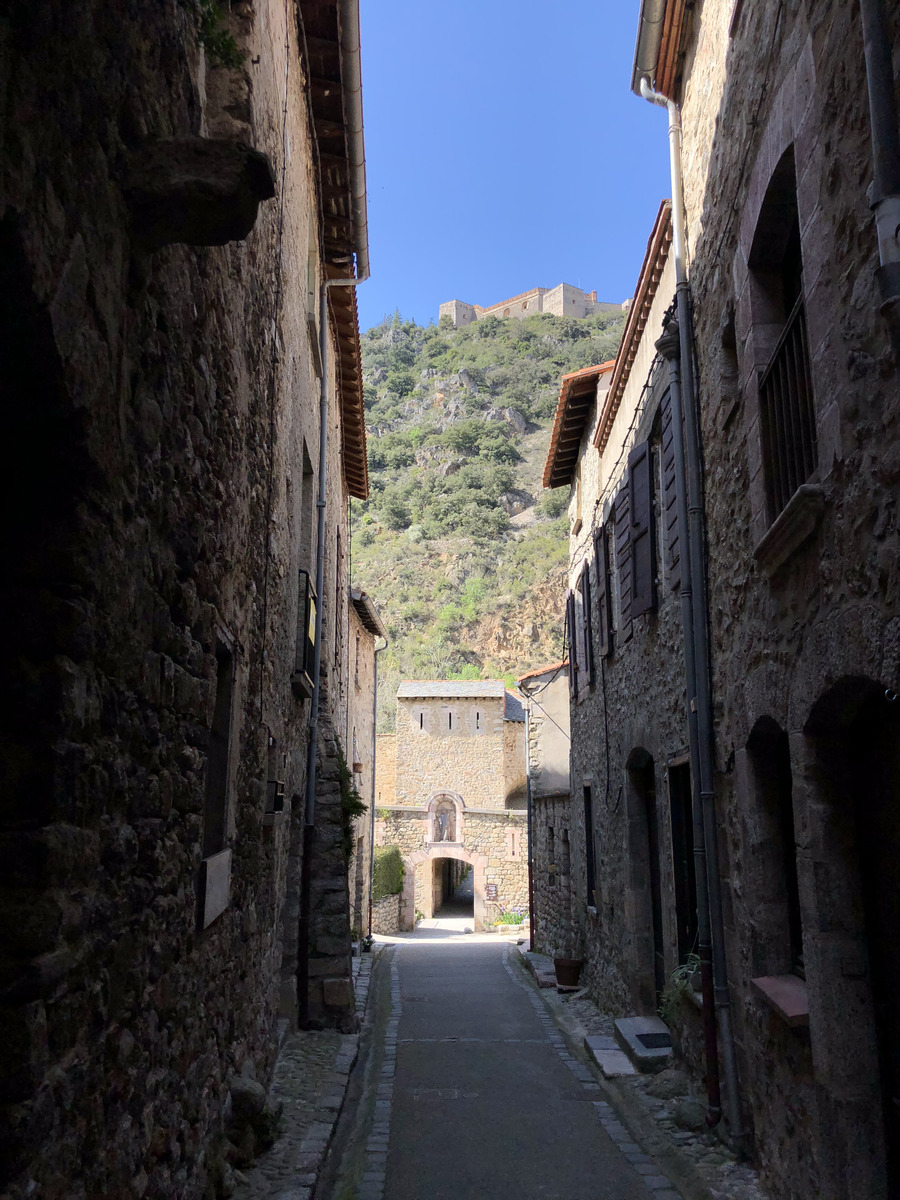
644,886
852,889
430,876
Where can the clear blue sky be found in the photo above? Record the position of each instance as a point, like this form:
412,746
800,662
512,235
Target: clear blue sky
504,151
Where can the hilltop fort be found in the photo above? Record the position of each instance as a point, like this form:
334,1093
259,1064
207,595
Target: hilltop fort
562,301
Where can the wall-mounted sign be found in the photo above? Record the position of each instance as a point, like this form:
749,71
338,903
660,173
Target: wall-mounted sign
490,891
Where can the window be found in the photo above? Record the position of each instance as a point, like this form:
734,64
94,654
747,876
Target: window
786,409
622,524
590,876
578,633
681,814
478,720
215,814
669,501
214,884
778,903
305,653
604,592
642,531
356,661
312,295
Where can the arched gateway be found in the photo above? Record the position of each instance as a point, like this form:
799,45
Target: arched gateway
414,871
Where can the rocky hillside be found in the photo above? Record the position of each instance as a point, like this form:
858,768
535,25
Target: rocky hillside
459,547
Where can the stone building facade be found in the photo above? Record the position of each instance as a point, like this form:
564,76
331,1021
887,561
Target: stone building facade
562,301
450,788
365,629
161,372
545,693
799,414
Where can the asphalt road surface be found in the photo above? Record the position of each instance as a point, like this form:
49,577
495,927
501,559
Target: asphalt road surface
483,1104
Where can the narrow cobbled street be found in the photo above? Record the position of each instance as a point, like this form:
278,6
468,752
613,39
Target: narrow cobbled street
473,1092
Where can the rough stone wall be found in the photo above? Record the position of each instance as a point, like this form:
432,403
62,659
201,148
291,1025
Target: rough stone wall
514,762
360,750
552,918
385,769
644,717
487,838
782,641
548,732
157,450
451,744
386,915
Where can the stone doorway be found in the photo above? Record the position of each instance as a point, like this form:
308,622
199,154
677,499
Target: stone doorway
644,894
453,888
432,876
850,887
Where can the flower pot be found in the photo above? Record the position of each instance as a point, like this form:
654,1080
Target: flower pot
567,971
504,927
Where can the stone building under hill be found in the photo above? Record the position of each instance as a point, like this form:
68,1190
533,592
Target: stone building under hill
450,792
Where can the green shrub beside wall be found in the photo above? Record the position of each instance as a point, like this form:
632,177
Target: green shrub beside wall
387,872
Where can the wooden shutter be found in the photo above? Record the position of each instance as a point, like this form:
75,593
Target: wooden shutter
643,541
572,640
588,626
670,505
604,608
623,560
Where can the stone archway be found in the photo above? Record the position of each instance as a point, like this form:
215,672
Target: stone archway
412,862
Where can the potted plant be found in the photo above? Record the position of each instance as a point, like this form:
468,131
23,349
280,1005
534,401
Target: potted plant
568,962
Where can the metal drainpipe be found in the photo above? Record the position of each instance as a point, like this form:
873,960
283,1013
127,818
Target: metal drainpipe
352,89
669,346
884,194
529,826
701,702
372,801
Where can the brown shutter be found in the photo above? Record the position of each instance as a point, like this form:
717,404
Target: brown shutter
601,564
571,639
643,547
588,626
670,507
623,560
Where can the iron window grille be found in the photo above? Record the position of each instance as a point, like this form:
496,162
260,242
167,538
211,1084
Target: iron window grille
787,416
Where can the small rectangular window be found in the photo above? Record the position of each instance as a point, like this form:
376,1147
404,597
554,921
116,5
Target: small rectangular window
589,844
305,651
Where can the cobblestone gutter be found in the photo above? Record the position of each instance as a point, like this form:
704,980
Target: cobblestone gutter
661,1111
309,1086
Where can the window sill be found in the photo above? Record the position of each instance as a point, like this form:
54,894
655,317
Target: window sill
301,685
271,820
787,996
791,527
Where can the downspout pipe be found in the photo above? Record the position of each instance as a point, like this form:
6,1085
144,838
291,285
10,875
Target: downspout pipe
669,347
701,701
351,81
372,798
884,194
526,695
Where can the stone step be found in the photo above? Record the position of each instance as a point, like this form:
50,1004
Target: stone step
609,1058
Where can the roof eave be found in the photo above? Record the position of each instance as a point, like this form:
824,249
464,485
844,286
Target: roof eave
367,612
649,39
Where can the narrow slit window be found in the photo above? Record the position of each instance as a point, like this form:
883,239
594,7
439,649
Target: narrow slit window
215,818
